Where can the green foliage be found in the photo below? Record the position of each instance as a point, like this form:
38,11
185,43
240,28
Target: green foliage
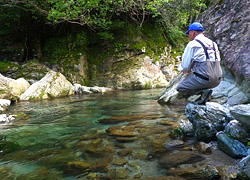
19,20
5,66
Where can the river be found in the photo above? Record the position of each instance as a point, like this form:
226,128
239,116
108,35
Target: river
63,138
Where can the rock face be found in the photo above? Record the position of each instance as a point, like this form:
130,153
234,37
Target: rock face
227,23
133,71
53,85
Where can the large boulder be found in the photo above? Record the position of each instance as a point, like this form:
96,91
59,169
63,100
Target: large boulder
11,87
227,23
53,85
170,94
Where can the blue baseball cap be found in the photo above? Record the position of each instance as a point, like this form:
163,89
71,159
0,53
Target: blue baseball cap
195,26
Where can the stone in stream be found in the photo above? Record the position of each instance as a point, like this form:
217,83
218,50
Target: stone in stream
231,146
177,158
205,172
128,118
54,84
237,131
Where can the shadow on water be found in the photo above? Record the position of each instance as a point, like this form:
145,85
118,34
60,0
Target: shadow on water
64,139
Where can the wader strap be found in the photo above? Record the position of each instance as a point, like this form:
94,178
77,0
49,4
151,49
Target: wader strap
214,51
201,76
204,47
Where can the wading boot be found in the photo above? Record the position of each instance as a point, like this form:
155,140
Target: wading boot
205,96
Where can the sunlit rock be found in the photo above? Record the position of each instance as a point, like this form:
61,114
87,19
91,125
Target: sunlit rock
4,103
6,118
242,114
12,87
53,85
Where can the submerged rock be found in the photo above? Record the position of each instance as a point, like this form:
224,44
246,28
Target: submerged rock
230,146
175,144
78,167
53,85
206,172
128,118
176,159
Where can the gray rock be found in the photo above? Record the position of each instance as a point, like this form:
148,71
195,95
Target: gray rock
244,168
175,144
186,126
207,119
177,158
230,146
53,85
4,103
170,94
218,115
227,23
242,114
237,131
206,172
6,119
13,87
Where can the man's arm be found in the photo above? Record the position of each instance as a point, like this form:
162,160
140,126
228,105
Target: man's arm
187,57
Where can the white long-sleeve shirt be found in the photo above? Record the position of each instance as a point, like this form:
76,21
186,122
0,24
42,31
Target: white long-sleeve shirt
195,52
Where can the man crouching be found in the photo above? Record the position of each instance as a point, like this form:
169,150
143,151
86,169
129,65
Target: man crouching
201,58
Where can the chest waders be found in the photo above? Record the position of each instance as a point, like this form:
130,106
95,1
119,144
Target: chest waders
213,69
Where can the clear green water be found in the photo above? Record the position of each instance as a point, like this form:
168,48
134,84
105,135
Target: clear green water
64,130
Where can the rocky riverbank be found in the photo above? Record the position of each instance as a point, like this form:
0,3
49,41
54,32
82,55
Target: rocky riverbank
52,85
224,120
